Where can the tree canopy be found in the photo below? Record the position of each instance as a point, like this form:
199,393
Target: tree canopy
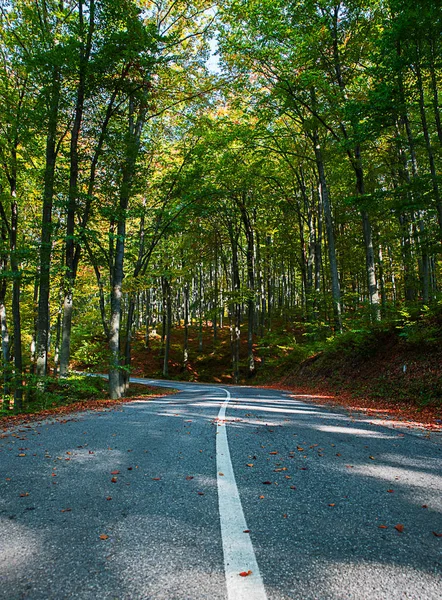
296,185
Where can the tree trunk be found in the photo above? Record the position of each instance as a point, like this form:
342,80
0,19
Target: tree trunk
428,145
43,315
73,190
132,149
168,325
336,291
250,258
186,326
115,379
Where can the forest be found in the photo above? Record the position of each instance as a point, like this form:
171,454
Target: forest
241,182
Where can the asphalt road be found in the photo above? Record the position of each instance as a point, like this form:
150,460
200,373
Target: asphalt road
186,498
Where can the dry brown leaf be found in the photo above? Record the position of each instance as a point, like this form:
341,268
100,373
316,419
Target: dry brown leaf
221,474
189,477
390,491
399,527
115,472
261,497
245,573
383,526
114,480
249,465
273,453
267,482
103,536
437,534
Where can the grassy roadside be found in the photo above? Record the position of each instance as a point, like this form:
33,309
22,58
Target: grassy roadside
76,393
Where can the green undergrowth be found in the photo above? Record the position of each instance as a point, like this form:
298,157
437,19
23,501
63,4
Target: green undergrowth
398,359
52,393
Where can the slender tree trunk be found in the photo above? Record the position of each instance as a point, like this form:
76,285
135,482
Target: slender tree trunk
336,291
73,190
16,315
115,379
435,91
186,326
250,256
116,386
43,316
147,319
168,325
200,308
5,338
428,145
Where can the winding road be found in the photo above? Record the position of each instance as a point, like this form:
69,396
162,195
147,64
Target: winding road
236,493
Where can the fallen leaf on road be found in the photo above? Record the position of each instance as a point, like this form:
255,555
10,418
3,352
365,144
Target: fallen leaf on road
250,464
390,491
261,497
371,457
156,478
24,495
437,534
109,498
200,493
424,506
66,510
115,472
245,573
273,453
22,455
114,480
221,474
103,536
284,516
399,527
189,477
332,504
383,526
248,531
267,482
293,487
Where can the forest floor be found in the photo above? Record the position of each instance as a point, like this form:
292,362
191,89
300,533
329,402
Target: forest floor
382,374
